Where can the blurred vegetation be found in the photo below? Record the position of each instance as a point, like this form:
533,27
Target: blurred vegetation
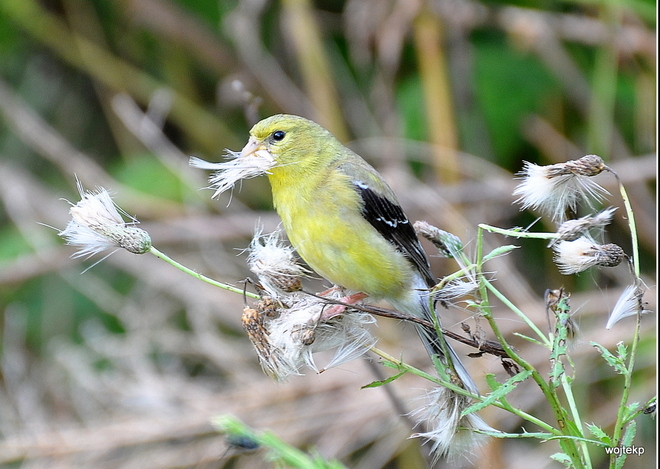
126,364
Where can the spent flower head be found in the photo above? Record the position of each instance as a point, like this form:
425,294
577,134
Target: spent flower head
450,434
575,256
571,230
97,224
274,263
254,321
447,243
237,167
556,188
287,341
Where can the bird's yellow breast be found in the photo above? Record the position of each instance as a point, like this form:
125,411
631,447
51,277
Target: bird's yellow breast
337,242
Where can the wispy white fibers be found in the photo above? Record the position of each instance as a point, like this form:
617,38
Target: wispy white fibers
237,167
97,224
450,434
554,189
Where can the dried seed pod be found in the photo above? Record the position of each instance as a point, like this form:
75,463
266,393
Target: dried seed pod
571,230
610,255
267,306
253,324
589,165
576,256
308,336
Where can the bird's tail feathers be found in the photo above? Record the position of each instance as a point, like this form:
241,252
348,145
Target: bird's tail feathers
449,430
417,304
439,347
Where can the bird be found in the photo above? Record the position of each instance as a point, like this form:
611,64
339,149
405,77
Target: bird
345,222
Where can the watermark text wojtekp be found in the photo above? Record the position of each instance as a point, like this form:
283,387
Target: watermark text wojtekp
620,450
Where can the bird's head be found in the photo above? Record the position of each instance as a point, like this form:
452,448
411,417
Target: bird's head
288,140
286,148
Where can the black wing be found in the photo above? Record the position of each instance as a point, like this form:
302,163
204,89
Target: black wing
390,221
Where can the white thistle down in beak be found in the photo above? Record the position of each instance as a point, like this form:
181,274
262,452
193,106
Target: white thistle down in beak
253,160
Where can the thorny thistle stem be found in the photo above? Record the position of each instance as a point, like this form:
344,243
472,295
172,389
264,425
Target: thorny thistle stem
620,424
503,404
568,446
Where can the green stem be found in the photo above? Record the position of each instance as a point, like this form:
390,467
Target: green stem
463,272
631,224
569,447
622,412
281,452
201,277
517,233
544,338
530,418
540,436
627,379
402,366
572,405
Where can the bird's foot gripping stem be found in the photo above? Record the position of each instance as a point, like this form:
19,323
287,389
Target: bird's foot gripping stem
335,310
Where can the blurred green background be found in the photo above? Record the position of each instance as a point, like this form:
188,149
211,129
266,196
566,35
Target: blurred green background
124,365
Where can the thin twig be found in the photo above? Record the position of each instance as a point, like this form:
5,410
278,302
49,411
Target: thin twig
484,346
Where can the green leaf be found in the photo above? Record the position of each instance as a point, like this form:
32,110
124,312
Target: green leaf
529,339
629,434
630,411
500,251
626,442
441,368
572,428
499,392
612,360
620,460
622,350
493,384
379,383
562,458
600,434
392,365
562,312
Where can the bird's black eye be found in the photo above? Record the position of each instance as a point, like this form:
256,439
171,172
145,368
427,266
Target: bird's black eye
278,135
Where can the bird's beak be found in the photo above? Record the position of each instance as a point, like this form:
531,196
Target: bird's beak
252,147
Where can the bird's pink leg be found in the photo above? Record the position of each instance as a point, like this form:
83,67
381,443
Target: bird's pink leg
336,310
